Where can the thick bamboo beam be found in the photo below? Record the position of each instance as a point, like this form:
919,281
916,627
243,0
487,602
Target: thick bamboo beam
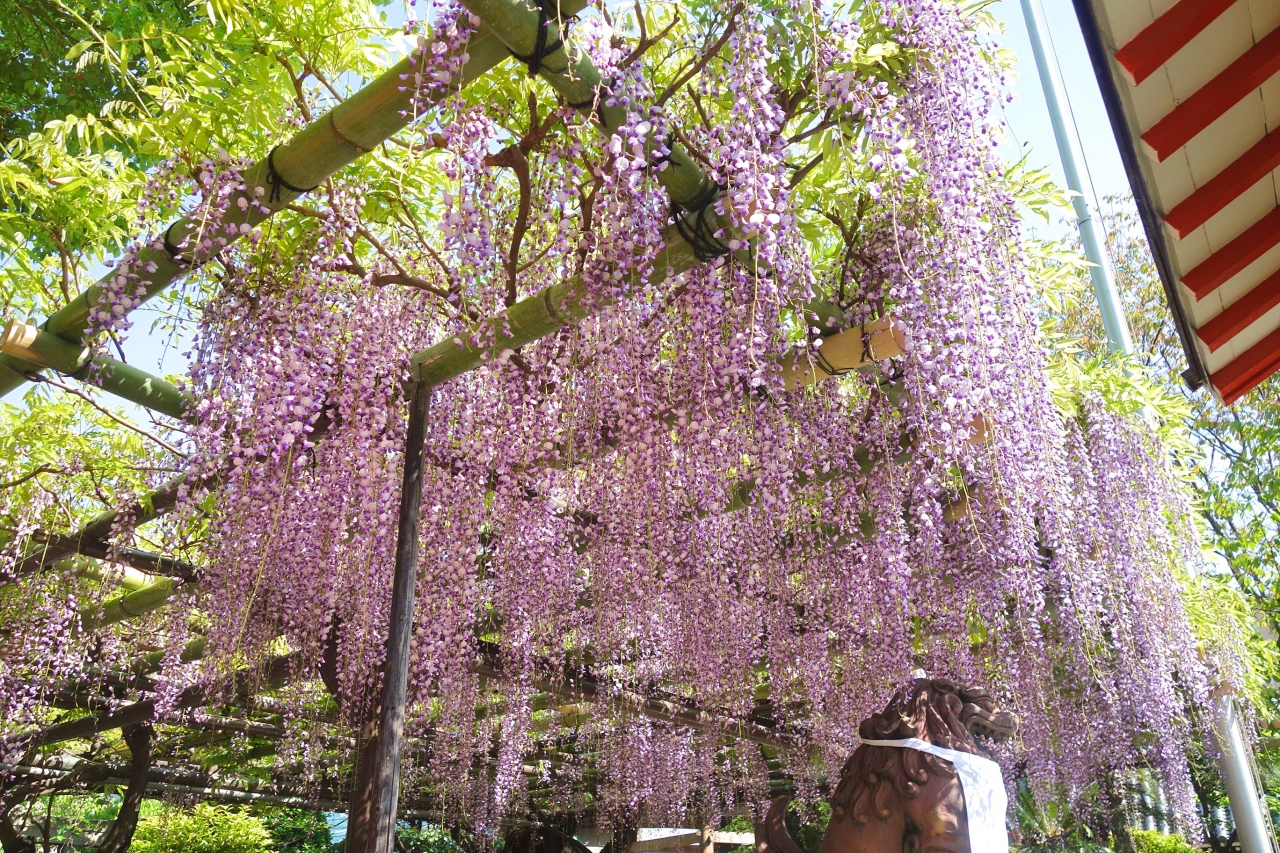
356,126
555,307
575,77
130,605
44,350
128,579
856,348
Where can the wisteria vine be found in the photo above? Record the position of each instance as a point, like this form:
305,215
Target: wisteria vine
638,494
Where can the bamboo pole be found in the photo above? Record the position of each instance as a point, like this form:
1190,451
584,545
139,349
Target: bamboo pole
87,567
555,307
40,349
356,126
130,605
575,78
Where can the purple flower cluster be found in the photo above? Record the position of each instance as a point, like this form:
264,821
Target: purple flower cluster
638,493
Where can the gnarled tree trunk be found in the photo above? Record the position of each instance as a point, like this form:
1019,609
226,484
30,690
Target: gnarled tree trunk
11,841
120,836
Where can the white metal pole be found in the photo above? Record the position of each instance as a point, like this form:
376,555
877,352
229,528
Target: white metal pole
1104,283
1247,805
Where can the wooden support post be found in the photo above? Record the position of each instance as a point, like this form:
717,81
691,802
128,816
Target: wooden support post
377,786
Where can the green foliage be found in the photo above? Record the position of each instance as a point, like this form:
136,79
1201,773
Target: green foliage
807,823
1052,826
425,838
68,819
46,75
1229,453
297,830
206,828
1150,841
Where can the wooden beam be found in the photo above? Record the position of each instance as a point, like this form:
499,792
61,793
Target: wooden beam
1222,265
377,787
1239,79
1242,313
1226,186
272,673
582,685
857,348
671,842
1248,370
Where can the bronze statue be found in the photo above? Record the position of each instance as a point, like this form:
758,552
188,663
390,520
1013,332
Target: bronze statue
892,799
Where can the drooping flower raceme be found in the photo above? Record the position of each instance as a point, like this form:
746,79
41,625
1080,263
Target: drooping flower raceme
638,494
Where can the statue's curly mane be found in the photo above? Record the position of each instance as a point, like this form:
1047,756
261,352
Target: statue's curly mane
935,710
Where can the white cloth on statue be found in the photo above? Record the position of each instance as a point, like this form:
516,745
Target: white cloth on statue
985,799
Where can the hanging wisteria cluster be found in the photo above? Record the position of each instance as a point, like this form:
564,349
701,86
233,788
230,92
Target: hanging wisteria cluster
638,494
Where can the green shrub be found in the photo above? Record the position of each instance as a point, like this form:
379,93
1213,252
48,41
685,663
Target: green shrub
297,830
1150,841
206,828
421,838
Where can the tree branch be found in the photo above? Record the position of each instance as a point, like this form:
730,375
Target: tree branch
706,57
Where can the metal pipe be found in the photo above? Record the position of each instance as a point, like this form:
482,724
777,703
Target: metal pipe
1247,806
1104,283
1196,373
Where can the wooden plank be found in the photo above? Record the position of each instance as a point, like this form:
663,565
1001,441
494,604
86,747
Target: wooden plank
736,838
670,842
1168,34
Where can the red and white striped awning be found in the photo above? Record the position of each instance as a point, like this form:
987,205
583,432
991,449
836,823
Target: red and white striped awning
1193,89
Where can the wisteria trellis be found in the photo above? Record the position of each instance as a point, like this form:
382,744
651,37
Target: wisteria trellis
576,498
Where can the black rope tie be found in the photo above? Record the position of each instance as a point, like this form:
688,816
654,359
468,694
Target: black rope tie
120,603
175,254
697,230
864,335
278,183
825,366
541,49
601,93
657,160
